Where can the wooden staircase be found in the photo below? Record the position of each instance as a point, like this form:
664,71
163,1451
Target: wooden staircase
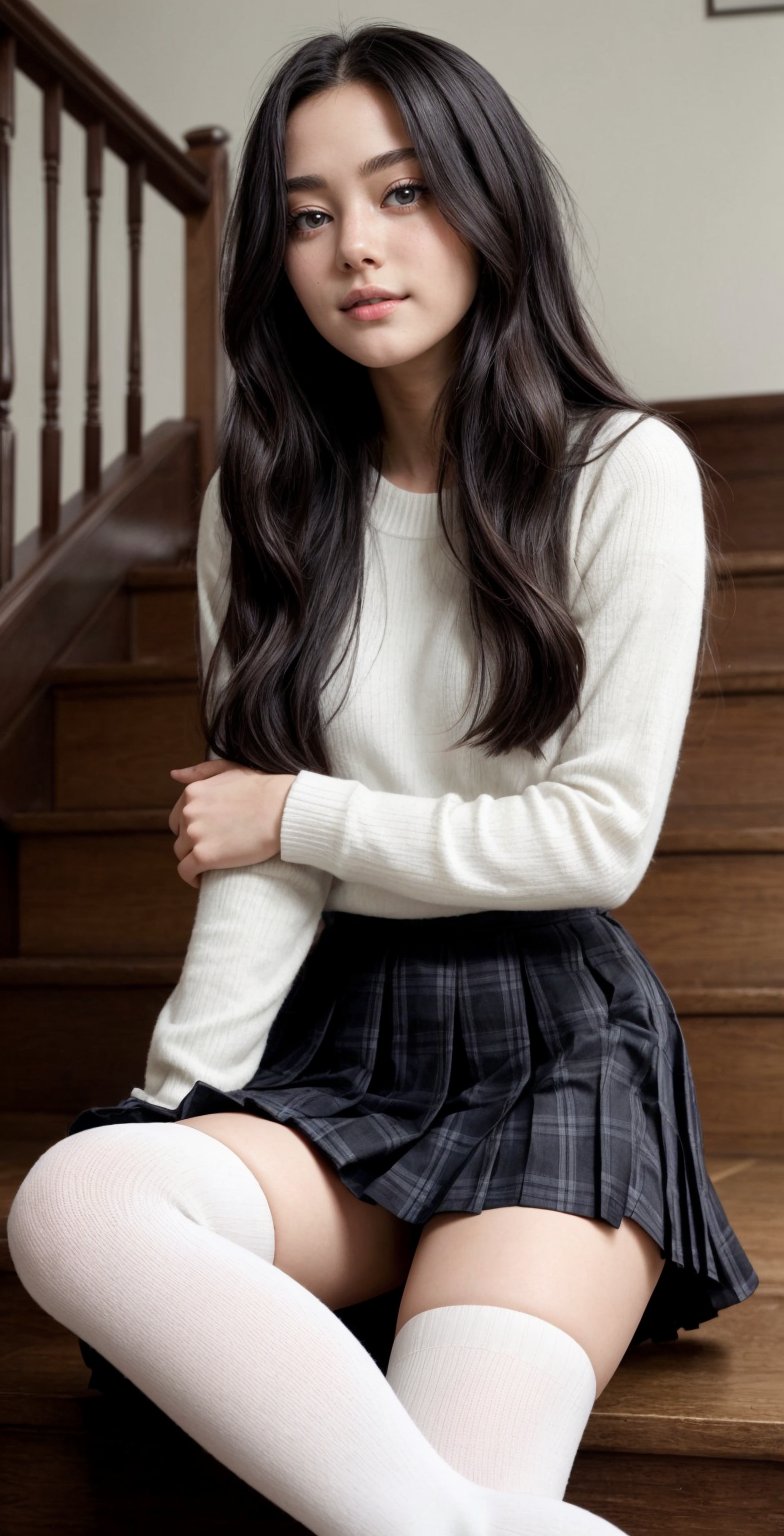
689,1434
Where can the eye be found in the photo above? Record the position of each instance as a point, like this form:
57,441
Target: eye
294,228
407,186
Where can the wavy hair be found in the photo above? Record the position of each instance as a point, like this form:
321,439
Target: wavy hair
302,432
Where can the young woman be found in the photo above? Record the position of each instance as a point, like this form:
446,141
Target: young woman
471,1081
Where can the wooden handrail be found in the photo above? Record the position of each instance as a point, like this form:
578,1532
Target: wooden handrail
194,181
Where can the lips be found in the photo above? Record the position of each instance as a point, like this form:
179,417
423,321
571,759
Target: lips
367,295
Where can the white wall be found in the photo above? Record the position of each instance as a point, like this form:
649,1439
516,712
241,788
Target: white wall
667,126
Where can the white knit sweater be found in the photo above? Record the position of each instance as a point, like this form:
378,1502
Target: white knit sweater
407,826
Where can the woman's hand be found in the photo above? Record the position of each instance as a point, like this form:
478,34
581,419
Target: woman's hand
227,816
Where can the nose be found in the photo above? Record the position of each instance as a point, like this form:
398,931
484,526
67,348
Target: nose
358,242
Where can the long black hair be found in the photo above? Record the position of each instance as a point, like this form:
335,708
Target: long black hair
302,433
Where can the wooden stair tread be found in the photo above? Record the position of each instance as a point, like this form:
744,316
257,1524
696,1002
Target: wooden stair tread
717,1389
687,828
664,1399
739,563
730,562
144,576
146,819
103,970
722,829
687,996
690,997
759,676
177,669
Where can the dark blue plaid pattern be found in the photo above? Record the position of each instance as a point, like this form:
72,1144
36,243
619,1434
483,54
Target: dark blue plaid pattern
497,1059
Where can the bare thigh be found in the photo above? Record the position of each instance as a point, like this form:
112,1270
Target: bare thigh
586,1276
341,1248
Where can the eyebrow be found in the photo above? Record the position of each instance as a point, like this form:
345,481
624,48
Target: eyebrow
367,168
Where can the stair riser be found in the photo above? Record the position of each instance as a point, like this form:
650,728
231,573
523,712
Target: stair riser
732,446
102,894
749,513
748,623
77,1483
731,752
70,1047
164,623
114,747
706,1496
738,1068
716,918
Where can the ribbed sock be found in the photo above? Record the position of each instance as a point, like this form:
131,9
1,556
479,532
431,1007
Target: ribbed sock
502,1395
153,1242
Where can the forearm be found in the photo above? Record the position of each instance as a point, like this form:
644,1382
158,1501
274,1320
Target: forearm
252,931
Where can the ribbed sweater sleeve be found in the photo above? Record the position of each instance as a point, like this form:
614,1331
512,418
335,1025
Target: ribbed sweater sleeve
586,833
253,925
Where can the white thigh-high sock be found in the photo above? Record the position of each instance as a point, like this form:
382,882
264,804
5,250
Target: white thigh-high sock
154,1243
502,1395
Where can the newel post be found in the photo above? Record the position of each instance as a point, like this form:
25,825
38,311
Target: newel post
206,364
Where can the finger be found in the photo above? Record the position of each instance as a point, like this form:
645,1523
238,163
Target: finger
182,846
189,870
206,769
175,814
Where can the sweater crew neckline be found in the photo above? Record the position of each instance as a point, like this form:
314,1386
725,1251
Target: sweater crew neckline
408,514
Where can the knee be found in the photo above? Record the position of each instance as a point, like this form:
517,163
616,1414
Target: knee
74,1179
76,1214
46,1210
98,1193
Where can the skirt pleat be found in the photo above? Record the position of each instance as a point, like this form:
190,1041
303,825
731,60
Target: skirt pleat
496,1059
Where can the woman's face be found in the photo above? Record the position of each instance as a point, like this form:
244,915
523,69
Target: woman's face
362,230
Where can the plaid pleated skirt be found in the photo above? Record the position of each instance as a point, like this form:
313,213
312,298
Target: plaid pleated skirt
496,1059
